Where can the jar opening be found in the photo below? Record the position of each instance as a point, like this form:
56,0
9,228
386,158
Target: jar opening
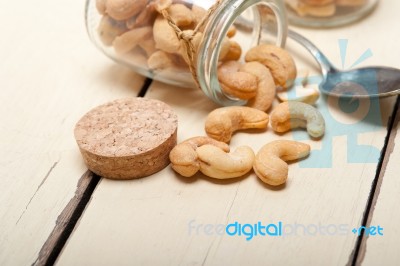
258,21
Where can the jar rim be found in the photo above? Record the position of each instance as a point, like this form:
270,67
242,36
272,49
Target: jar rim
216,30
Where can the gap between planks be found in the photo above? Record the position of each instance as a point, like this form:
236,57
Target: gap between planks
358,253
67,220
71,214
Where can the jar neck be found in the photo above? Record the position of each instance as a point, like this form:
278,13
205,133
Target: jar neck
214,33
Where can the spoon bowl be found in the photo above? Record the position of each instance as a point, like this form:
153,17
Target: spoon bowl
363,82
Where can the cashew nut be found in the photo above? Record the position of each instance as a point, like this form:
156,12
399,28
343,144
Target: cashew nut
223,122
236,83
279,62
181,15
124,9
184,159
266,86
293,114
234,52
165,36
129,40
270,165
225,48
216,163
109,29
302,94
231,32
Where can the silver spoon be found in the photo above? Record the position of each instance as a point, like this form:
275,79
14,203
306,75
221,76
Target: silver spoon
360,83
374,81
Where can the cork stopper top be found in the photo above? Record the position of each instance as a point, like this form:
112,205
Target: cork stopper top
126,127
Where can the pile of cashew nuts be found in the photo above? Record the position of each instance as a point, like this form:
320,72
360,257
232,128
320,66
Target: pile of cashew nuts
137,27
210,155
267,67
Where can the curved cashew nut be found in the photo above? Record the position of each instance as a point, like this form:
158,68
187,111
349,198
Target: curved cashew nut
129,40
270,165
165,36
216,163
124,9
266,86
184,159
236,83
222,122
278,60
293,114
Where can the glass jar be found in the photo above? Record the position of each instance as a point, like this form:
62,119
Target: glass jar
327,13
136,33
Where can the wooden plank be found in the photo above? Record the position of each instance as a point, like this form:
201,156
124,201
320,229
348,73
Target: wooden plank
377,249
50,76
162,219
132,221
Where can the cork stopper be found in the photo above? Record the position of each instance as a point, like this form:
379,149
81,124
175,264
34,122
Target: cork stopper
127,138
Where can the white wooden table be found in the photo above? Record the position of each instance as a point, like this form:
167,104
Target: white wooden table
53,210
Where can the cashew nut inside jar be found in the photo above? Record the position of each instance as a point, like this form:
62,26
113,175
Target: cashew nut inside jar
182,42
328,13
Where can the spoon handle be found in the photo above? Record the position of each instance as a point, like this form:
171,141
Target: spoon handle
325,64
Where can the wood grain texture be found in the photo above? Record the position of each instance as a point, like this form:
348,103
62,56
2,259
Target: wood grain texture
50,76
156,220
383,250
